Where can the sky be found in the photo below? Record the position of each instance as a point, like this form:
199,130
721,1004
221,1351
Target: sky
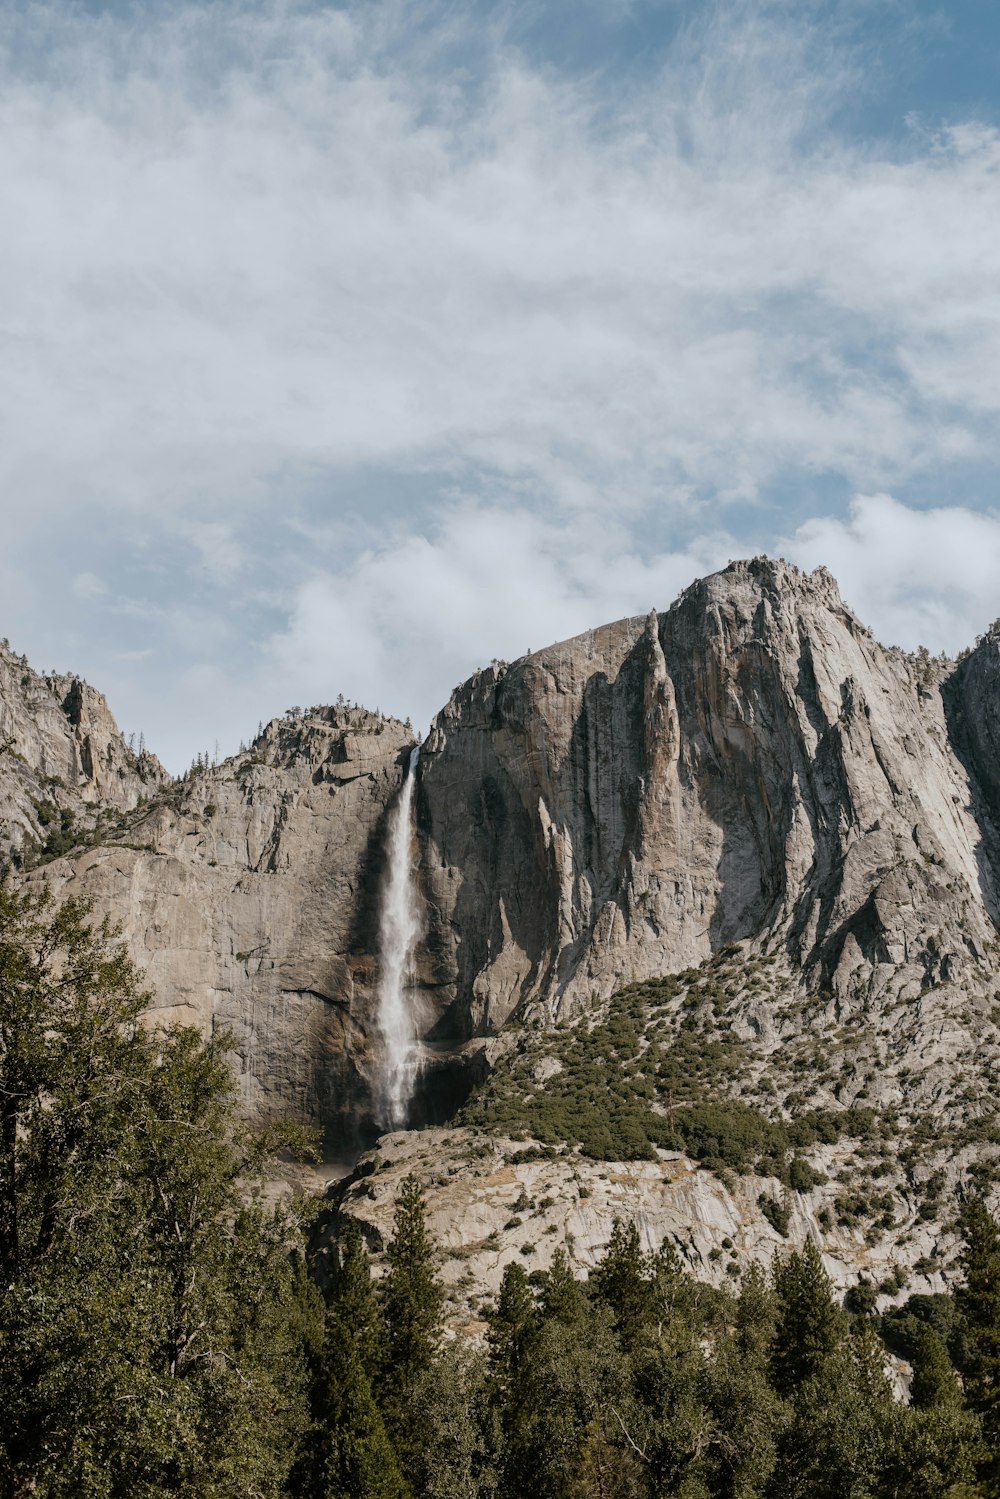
346,347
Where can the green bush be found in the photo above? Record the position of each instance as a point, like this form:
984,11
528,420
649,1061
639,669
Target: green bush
733,1133
775,1212
655,1074
802,1177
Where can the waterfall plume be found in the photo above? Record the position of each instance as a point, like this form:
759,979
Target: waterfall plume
398,930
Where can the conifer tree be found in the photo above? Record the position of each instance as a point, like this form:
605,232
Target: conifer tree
839,1441
867,1353
352,1456
934,1382
353,1301
512,1340
513,1325
979,1302
755,1316
150,1318
932,1446
622,1282
563,1298
411,1301
809,1327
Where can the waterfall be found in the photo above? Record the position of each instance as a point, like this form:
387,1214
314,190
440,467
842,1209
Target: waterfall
398,930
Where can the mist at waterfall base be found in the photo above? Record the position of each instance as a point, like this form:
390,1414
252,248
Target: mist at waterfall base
399,928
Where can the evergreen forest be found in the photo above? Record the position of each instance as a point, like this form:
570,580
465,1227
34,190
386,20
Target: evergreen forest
162,1331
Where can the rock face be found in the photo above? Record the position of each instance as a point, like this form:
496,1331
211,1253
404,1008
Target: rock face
972,700
248,893
749,766
62,760
488,1207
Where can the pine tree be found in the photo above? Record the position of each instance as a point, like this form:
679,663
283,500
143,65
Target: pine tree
353,1302
675,1297
563,1298
838,1442
513,1326
810,1327
411,1301
149,1318
622,1282
755,1316
351,1454
934,1382
979,1302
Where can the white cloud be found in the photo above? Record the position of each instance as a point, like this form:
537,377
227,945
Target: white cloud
329,251
916,577
89,586
408,622
253,250
220,555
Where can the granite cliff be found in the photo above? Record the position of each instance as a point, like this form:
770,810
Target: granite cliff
248,893
64,766
748,767
750,764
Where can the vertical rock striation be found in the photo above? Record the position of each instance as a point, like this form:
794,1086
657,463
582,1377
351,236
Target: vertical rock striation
750,764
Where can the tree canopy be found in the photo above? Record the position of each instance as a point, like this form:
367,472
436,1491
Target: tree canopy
160,1334
149,1305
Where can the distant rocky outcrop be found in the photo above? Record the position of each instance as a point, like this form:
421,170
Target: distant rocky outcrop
491,1203
749,766
63,762
247,891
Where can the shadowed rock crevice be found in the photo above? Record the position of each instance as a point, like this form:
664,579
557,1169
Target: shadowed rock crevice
971,696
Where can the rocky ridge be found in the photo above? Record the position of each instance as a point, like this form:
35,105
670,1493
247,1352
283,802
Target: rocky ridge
492,1202
64,764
